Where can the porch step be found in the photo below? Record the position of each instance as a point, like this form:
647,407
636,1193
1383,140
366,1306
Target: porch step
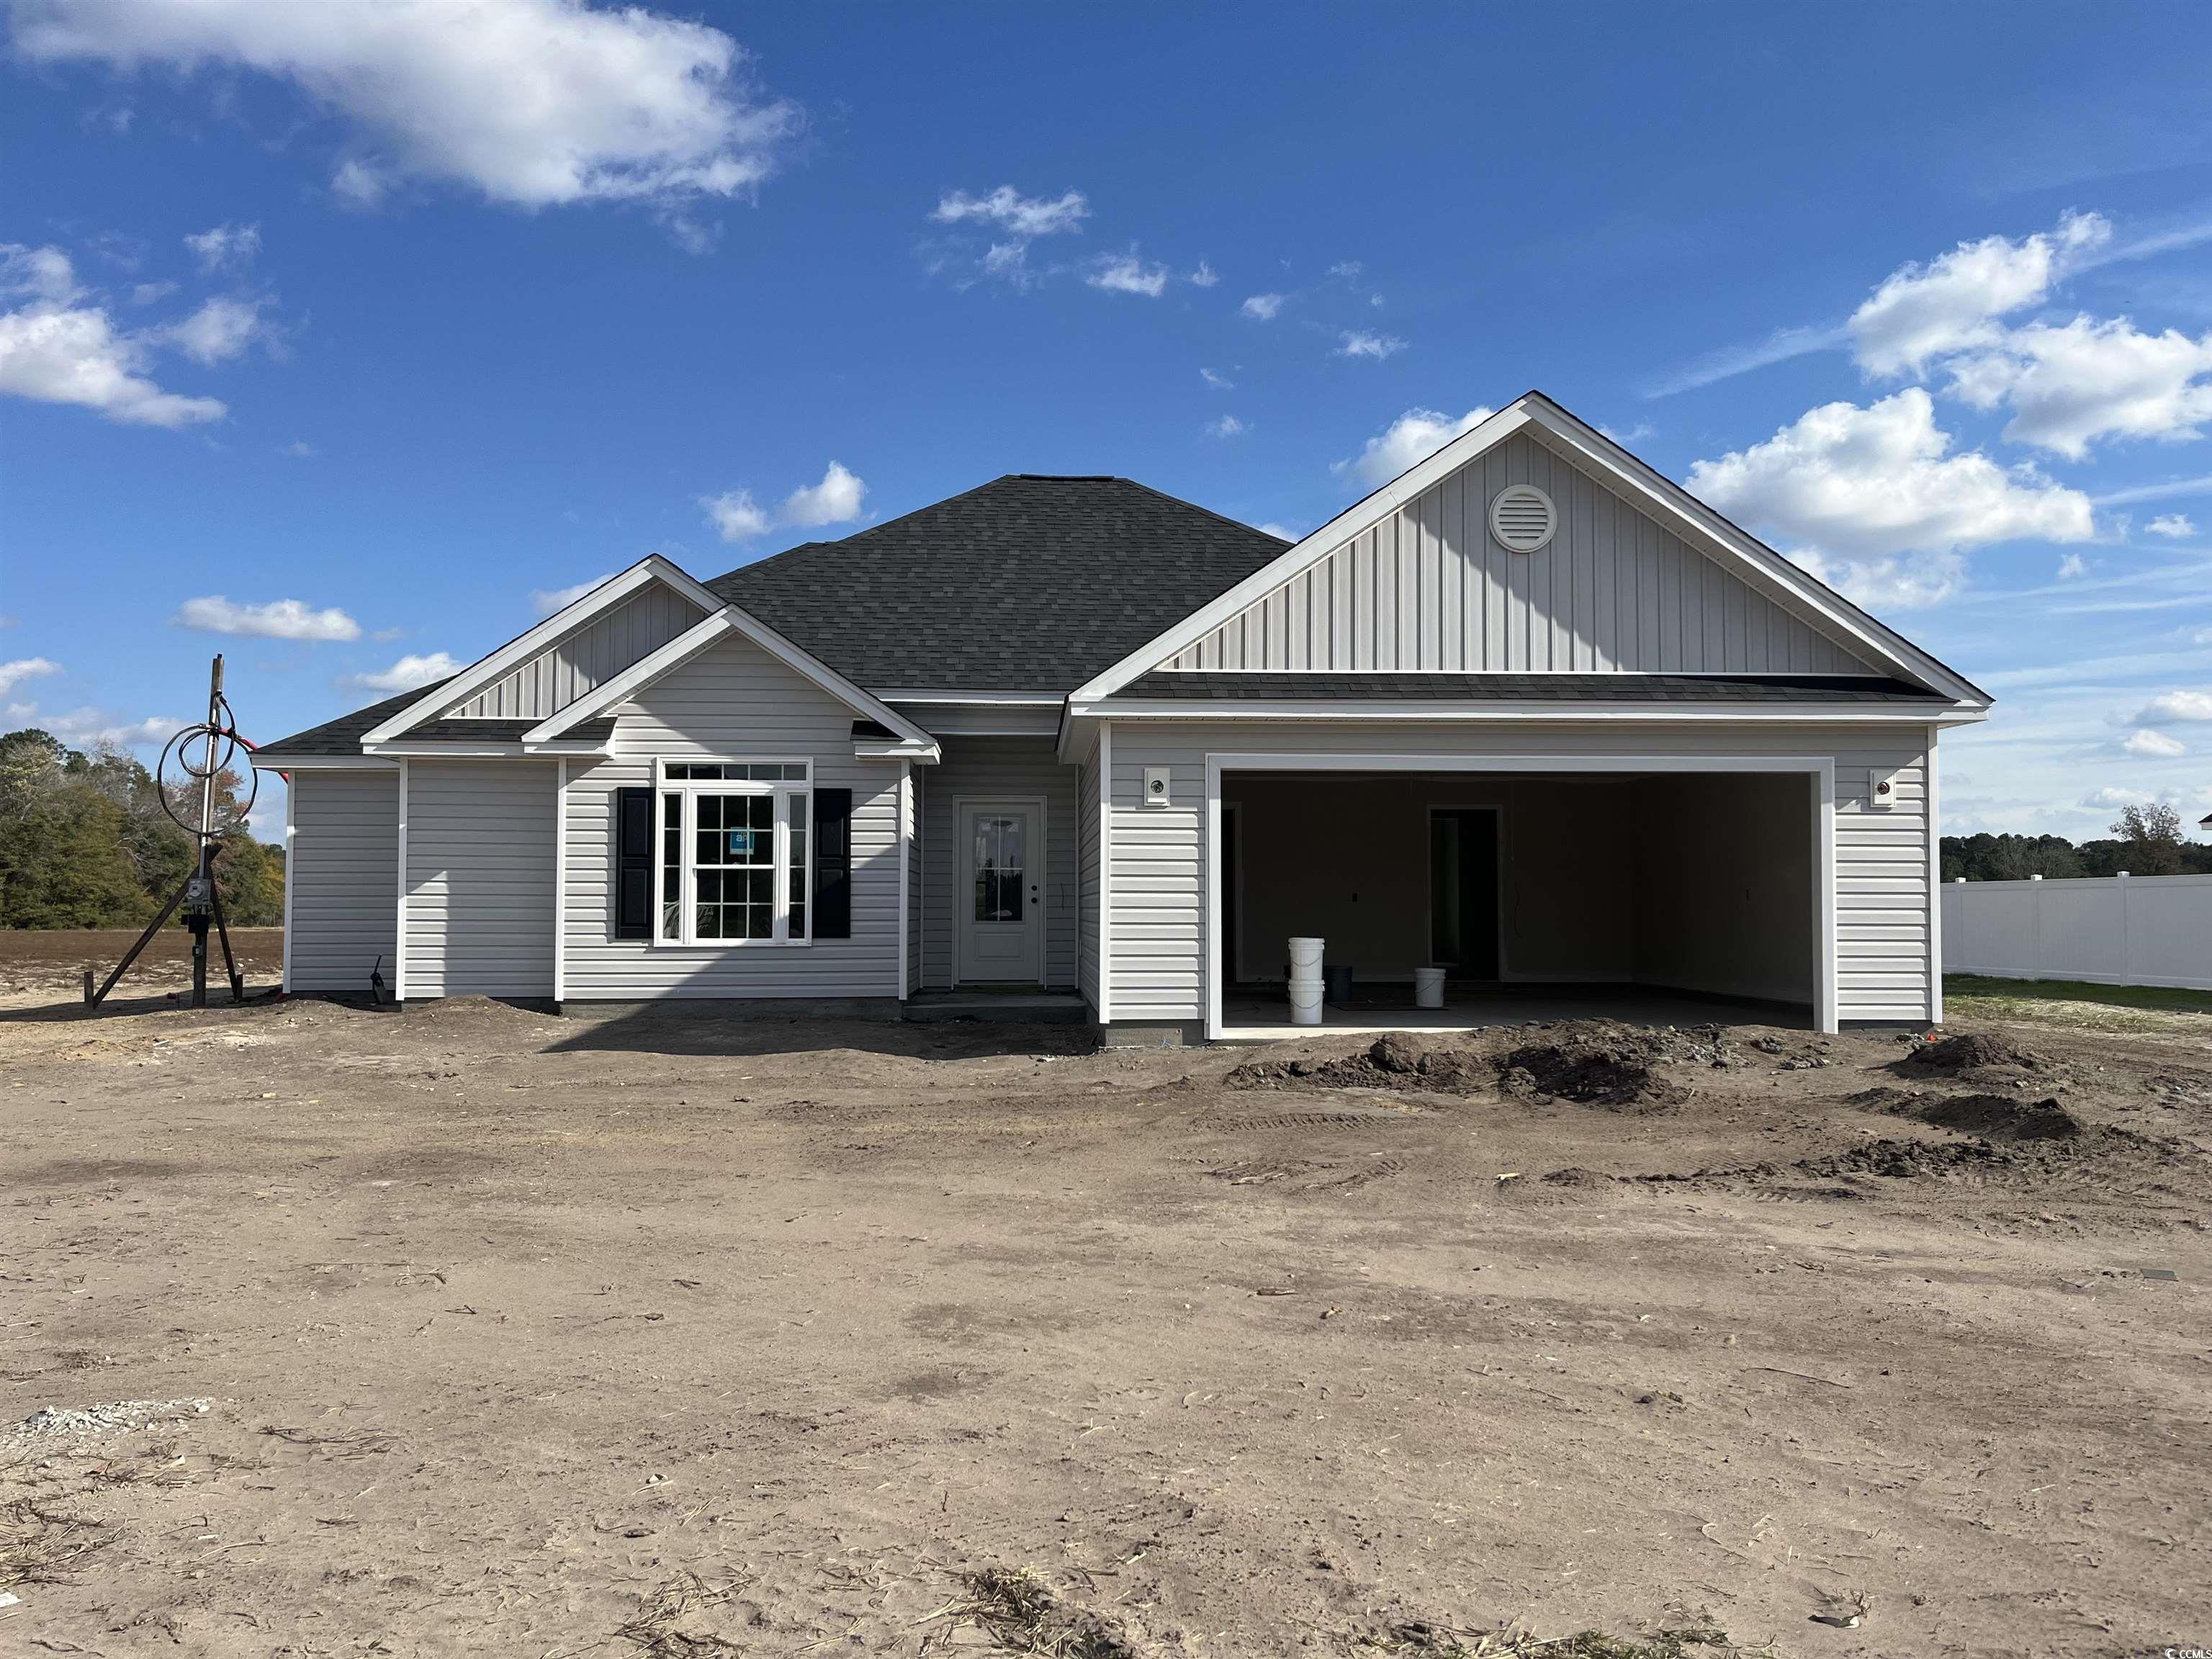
1000,1007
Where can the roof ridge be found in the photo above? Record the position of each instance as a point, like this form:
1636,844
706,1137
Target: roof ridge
1235,524
870,530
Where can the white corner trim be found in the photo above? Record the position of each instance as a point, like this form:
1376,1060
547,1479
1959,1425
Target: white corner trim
560,883
906,866
291,868
399,932
697,638
1105,964
1369,510
483,672
1929,807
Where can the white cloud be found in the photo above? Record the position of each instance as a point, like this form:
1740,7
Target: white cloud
2177,706
1854,488
218,331
411,674
1920,312
1281,533
2171,523
1026,217
1009,262
24,668
2152,746
1263,307
226,246
547,600
59,348
734,514
299,449
2072,383
1409,440
1226,426
1204,276
533,102
278,619
1125,273
145,293
2071,565
82,728
835,499
1216,382
1359,343
2111,798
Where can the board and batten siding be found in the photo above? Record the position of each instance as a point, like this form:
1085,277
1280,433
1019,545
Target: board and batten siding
1086,885
480,877
1156,877
732,701
1428,589
343,872
558,675
976,768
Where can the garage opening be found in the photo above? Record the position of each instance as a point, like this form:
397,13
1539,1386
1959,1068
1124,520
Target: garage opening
1673,896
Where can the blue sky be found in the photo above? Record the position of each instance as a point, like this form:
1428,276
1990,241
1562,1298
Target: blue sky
336,337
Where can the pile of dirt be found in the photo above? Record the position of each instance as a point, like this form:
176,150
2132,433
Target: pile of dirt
1969,1053
1389,1062
1600,1063
1903,1160
1994,1117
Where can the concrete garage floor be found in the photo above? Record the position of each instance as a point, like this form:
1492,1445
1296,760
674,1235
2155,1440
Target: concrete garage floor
1262,1014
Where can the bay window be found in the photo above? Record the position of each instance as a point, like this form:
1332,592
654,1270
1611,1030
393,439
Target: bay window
733,864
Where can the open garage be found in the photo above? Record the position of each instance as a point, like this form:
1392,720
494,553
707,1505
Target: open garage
1535,890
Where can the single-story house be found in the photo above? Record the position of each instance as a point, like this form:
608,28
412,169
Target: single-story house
1531,712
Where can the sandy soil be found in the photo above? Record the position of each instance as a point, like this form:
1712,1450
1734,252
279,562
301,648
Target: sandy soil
476,1329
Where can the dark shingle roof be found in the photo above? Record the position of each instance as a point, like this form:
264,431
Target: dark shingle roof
342,735
1023,584
1527,688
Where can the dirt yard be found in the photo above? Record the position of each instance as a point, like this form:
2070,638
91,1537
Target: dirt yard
474,1329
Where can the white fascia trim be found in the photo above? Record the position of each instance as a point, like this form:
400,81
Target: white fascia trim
478,675
1711,533
1311,550
1525,713
265,761
1011,699
1716,534
697,638
921,754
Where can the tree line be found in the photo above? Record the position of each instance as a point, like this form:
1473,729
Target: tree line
2145,841
84,841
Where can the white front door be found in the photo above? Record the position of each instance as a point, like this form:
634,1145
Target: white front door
1001,900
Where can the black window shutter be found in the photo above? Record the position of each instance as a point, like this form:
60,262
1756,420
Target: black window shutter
633,864
833,864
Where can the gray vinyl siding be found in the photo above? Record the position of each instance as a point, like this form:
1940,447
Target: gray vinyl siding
480,879
732,701
1156,881
1086,932
1428,589
977,768
558,675
343,870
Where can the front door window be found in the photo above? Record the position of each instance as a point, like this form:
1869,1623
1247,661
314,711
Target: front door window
1001,865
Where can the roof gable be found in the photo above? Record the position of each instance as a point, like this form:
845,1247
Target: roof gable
1428,588
1798,620
1023,584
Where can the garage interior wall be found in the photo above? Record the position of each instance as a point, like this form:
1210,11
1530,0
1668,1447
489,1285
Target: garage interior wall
1698,882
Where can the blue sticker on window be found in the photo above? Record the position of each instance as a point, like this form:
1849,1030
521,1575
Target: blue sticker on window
741,844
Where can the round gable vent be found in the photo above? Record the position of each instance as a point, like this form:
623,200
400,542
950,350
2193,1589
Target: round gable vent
1522,518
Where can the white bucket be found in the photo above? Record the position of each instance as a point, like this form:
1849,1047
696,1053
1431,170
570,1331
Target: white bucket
1305,960
1428,987
1305,1003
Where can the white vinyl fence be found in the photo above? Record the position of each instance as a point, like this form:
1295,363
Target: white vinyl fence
2112,930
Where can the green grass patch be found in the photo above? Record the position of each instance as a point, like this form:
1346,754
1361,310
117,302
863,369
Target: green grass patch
2147,1008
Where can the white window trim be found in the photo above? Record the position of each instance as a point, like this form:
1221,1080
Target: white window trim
691,789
